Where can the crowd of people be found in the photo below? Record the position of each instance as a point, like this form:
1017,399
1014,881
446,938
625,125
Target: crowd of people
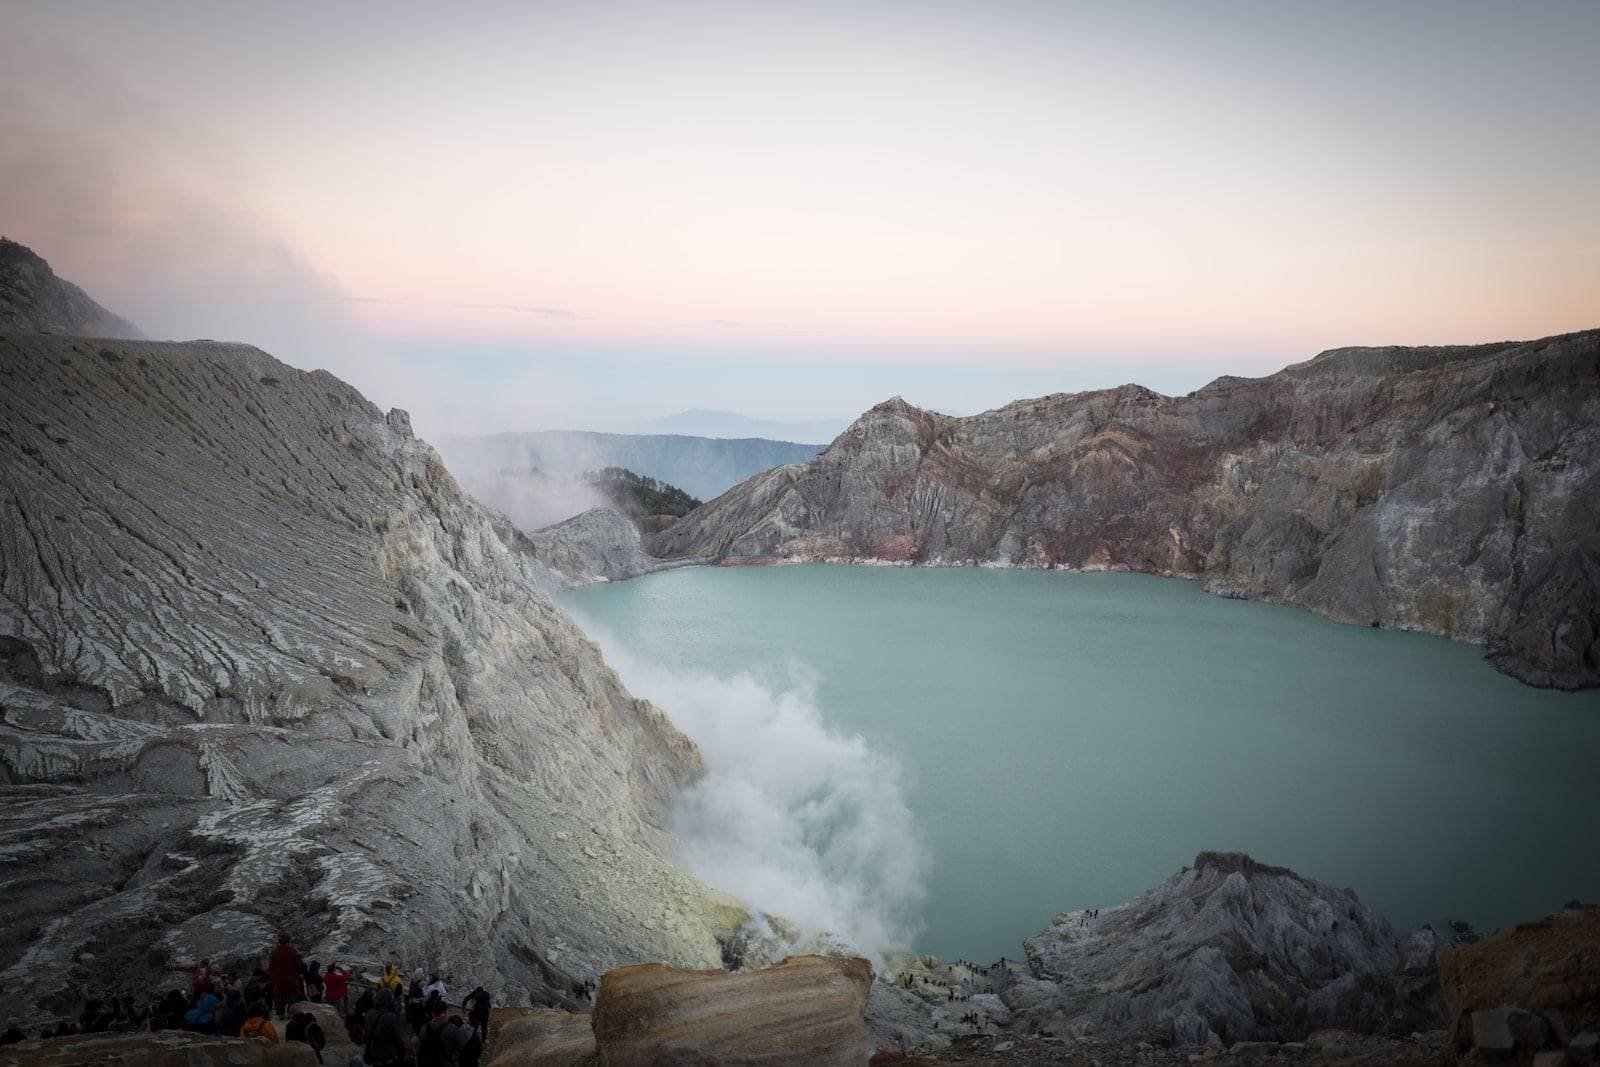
394,1023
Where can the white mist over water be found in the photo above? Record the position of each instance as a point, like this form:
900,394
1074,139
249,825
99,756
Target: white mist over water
793,818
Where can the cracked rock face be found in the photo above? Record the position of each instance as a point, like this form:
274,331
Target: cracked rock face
263,666
1228,950
1447,490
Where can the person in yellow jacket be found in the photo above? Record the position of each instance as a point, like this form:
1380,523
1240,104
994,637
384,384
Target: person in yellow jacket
259,1024
391,981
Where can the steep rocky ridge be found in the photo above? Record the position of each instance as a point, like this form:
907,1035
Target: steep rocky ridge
1448,490
263,665
34,300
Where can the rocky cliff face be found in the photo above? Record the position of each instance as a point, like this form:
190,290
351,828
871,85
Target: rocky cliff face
1448,490
263,665
34,300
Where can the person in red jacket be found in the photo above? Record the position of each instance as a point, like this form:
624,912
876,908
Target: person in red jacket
286,971
335,984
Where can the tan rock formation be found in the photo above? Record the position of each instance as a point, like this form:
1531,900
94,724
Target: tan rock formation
806,1009
538,1037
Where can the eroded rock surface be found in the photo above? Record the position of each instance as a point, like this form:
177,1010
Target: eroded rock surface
806,1009
1448,490
263,665
1227,951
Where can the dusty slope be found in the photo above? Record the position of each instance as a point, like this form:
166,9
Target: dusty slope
34,300
1450,490
263,665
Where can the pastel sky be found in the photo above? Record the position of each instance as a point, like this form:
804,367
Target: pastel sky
515,215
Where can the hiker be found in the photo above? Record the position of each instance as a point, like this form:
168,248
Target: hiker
203,1016
414,991
439,1043
335,986
232,1014
390,979
471,1050
201,980
168,1015
125,1022
313,982
435,985
259,1023
416,1011
355,1023
386,1039
477,1005
285,970
305,1029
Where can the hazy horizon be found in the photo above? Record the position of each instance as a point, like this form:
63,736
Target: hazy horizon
518,217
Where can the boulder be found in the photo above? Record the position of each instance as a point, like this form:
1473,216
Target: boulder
538,1037
805,1009
1526,986
166,1048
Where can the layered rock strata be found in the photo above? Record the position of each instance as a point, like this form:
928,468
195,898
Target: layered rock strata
1448,490
805,1009
263,666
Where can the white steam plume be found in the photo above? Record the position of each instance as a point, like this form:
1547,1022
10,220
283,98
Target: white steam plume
792,818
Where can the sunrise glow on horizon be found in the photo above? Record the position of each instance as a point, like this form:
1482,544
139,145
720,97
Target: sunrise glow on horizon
1100,189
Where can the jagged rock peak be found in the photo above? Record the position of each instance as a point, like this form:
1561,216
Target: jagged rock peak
1245,950
34,300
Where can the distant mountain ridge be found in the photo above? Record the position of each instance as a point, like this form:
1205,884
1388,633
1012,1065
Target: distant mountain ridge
702,422
34,300
702,466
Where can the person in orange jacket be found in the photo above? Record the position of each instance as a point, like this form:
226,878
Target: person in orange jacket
259,1024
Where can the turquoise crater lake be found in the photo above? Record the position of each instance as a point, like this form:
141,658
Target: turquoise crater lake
1069,740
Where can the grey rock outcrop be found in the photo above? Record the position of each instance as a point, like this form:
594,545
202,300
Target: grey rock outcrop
1228,950
34,300
263,665
1448,490
601,544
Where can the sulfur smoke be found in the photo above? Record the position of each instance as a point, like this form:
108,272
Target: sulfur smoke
792,818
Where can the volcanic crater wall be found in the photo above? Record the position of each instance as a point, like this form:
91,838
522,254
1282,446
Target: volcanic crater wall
263,665
1449,490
